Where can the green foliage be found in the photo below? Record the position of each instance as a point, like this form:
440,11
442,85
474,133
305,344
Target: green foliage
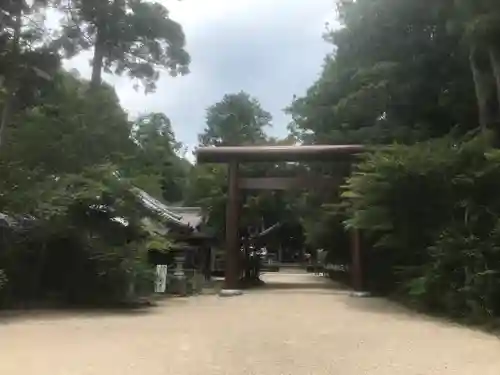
127,36
61,164
70,158
432,211
236,120
3,280
396,74
324,229
156,166
79,251
61,134
26,62
239,119
89,243
207,188
401,73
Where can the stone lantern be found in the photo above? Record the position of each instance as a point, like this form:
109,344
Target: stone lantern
179,279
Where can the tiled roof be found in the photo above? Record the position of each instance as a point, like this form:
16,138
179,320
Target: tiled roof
181,216
191,216
269,230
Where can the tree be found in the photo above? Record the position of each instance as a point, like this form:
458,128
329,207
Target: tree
238,119
65,131
478,23
27,64
133,36
424,74
156,165
207,188
396,74
59,168
61,161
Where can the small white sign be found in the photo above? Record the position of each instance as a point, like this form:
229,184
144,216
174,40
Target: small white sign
161,278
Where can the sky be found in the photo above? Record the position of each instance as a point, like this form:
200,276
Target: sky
271,49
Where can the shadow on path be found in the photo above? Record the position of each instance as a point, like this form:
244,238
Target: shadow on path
311,287
300,282
308,284
13,316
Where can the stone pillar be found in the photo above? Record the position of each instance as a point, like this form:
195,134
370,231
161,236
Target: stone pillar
179,277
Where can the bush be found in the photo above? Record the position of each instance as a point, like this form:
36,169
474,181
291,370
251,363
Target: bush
75,265
431,212
463,276
75,251
3,279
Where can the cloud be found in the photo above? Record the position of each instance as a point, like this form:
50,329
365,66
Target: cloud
271,49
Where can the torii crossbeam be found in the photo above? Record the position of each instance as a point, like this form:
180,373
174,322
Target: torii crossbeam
233,156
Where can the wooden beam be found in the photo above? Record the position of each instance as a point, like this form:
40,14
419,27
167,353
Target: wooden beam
328,153
288,183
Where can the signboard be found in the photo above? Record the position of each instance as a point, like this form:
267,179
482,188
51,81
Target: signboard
161,278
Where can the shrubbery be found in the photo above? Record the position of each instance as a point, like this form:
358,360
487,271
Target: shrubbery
85,244
3,279
432,213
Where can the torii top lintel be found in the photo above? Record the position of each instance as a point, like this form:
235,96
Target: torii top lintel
228,154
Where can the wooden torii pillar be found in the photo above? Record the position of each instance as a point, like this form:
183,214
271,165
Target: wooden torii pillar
233,156
232,270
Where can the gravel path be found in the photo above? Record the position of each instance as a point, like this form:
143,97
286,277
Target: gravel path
297,325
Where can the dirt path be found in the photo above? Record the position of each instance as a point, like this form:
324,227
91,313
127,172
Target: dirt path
308,329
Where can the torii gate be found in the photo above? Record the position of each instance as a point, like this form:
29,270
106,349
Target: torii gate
234,155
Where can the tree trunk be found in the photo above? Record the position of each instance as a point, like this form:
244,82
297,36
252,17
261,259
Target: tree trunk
495,65
5,115
97,60
482,85
11,79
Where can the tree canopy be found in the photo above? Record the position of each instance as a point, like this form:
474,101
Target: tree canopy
236,120
127,36
397,72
